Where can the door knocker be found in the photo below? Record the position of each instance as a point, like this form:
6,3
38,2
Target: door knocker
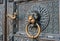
32,20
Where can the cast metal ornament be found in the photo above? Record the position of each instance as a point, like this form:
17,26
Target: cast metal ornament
42,20
12,16
32,20
32,36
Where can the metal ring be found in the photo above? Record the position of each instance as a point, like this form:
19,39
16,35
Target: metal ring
31,36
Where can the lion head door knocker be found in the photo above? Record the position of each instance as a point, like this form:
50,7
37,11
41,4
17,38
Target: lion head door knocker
38,18
33,20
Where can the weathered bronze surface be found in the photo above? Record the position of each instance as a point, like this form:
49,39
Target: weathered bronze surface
20,26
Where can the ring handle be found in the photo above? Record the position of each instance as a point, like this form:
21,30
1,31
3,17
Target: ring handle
31,36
